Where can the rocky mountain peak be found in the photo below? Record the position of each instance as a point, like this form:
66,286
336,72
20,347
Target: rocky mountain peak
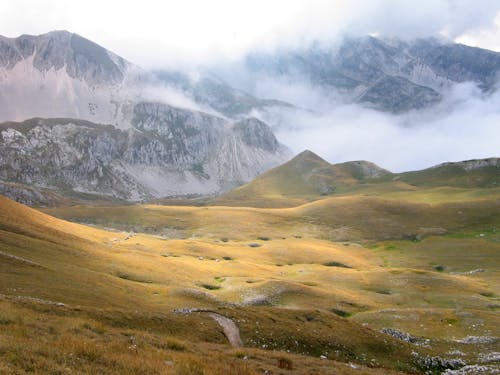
82,58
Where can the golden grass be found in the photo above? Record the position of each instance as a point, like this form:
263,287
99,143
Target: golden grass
114,281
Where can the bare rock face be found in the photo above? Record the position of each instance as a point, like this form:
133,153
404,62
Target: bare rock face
93,132
386,74
60,74
168,152
79,57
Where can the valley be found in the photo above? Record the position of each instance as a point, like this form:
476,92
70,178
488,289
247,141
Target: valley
311,284
155,221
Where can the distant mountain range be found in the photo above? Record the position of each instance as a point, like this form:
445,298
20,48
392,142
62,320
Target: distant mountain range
385,74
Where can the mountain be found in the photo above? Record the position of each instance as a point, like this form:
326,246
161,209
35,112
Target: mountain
214,93
308,177
96,133
61,74
484,173
386,74
168,152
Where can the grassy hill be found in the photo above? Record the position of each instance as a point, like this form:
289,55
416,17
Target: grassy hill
307,177
95,294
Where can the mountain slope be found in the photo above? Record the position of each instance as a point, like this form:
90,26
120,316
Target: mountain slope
121,144
468,174
61,74
169,152
215,93
308,177
386,74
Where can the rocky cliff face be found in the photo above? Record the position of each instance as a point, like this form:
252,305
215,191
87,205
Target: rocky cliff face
146,150
168,152
390,75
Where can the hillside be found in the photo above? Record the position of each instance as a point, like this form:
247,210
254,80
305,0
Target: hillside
307,178
423,261
77,276
168,152
387,74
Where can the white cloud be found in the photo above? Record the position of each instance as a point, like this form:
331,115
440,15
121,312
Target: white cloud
464,126
154,33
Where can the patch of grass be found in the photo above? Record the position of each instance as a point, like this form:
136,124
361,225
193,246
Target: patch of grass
439,268
189,367
176,345
130,277
210,286
6,319
219,279
309,283
97,327
488,294
239,354
342,313
336,264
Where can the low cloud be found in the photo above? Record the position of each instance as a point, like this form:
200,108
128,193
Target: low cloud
464,126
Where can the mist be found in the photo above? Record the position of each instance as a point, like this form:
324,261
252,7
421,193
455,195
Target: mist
465,125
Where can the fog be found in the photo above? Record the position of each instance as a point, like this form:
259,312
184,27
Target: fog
464,126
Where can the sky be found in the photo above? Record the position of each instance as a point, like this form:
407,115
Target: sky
160,33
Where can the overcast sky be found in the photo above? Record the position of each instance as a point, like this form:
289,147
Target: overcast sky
153,33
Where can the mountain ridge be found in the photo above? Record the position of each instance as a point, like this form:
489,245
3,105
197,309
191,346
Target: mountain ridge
308,177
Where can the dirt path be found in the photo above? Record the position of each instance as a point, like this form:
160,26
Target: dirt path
230,329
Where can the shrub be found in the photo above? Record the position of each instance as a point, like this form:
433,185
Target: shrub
336,264
210,287
342,313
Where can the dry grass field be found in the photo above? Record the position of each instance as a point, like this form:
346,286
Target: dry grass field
309,284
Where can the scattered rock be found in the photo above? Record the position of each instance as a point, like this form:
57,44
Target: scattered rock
433,364
473,370
403,336
478,340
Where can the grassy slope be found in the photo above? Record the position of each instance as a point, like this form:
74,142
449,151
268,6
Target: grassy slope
387,252
307,178
116,287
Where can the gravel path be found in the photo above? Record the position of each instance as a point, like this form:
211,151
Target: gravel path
230,329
